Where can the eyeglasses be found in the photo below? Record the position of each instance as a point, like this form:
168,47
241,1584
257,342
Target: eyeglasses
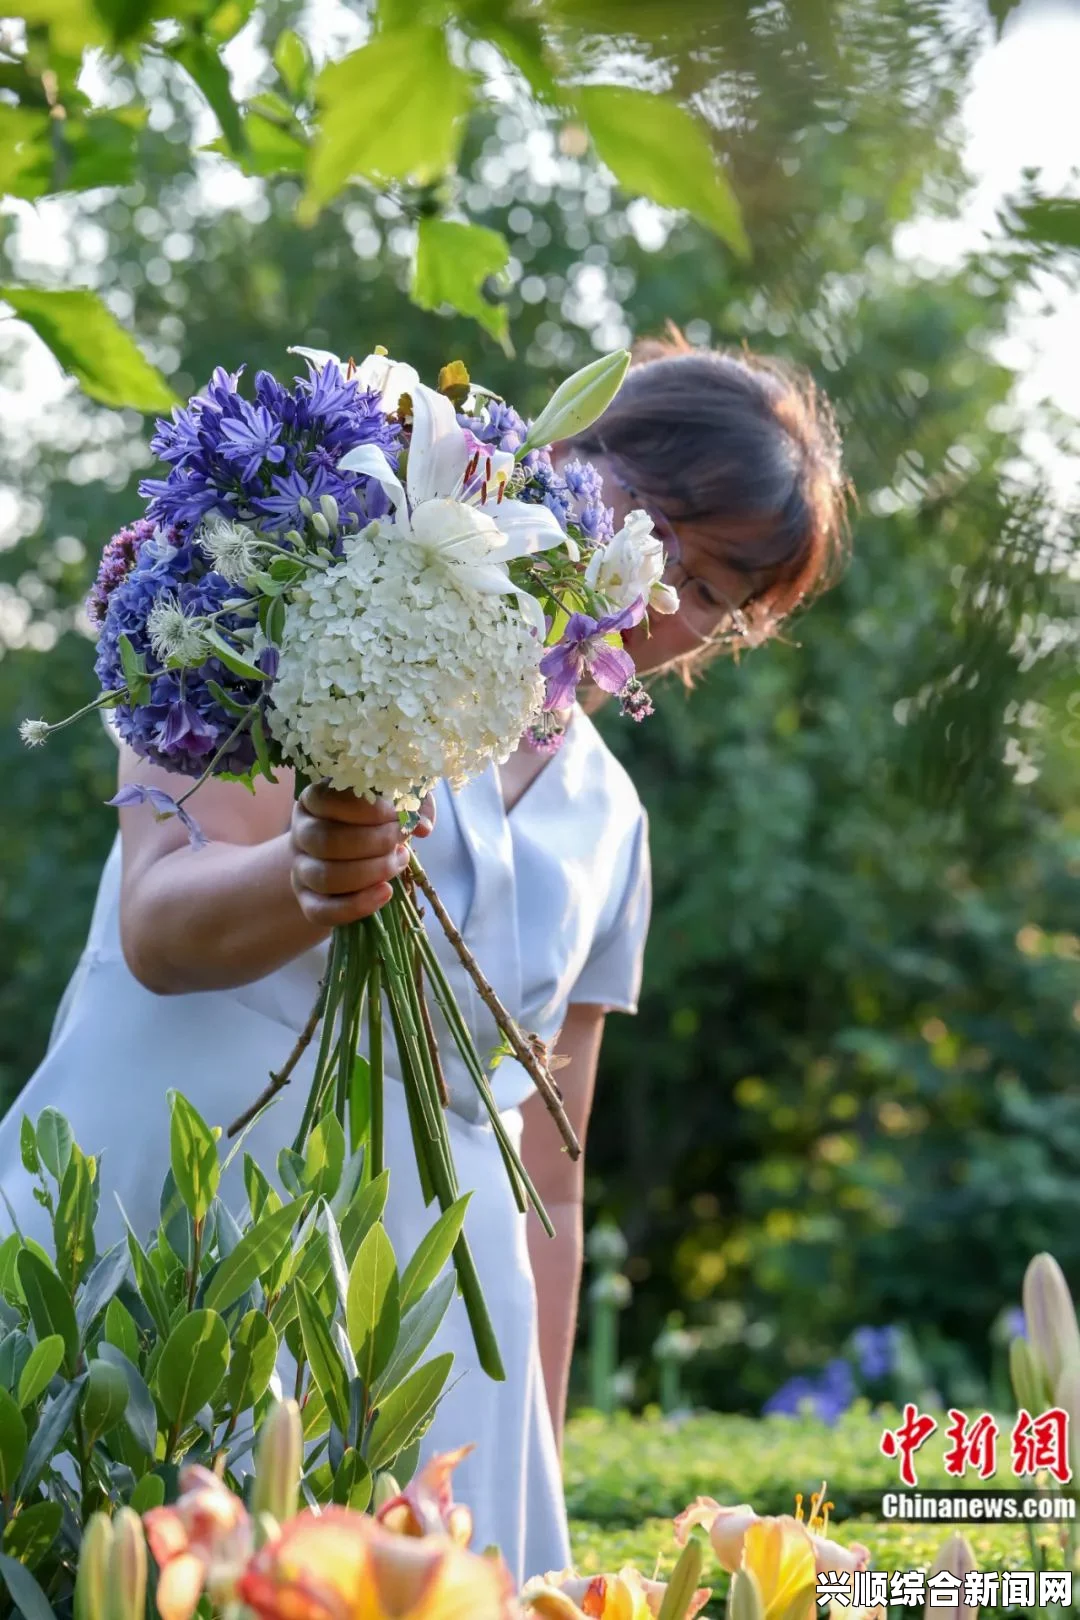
703,608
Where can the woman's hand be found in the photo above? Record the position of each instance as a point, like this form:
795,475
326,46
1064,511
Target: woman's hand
346,851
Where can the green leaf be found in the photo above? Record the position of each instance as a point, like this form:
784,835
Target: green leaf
405,1410
324,1157
453,262
194,1156
54,1139
91,344
148,1493
262,748
126,19
46,1439
50,1309
227,19
232,659
148,1284
657,149
101,1285
373,1312
105,1399
28,1537
120,1330
352,1482
28,1147
141,1417
12,1442
203,62
519,38
418,1327
26,152
260,1194
26,1594
293,62
1055,220
71,24
74,1223
254,1355
193,1365
44,1360
103,150
356,1222
10,1287
393,110
15,1352
325,1363
433,1251
133,665
256,1252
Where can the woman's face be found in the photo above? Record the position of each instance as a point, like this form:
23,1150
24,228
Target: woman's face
663,639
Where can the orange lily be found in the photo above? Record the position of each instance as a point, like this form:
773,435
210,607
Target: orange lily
566,1595
426,1506
204,1539
341,1565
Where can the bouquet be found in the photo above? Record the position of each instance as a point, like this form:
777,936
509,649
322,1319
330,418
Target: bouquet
378,584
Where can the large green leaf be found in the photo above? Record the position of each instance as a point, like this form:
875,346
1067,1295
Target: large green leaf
373,1312
657,149
29,1536
51,1311
26,1594
405,1410
72,24
126,19
418,1327
255,1253
140,1417
193,1365
74,1224
91,344
326,1365
194,1156
393,110
356,1221
148,1283
100,1286
324,1157
269,148
55,1137
254,1354
433,1251
47,1437
43,1361
1055,220
453,262
105,1399
12,1442
26,152
203,62
102,150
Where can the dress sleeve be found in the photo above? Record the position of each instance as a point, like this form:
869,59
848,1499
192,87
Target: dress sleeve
611,976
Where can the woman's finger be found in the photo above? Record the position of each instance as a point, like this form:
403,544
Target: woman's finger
426,823
341,840
335,911
336,878
331,804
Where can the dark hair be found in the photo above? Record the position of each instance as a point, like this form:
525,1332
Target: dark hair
747,447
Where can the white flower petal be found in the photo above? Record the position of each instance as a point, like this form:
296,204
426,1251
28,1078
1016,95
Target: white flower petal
392,378
369,460
318,357
438,453
527,528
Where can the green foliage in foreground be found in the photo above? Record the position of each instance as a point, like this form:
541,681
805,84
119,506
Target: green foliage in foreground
627,1477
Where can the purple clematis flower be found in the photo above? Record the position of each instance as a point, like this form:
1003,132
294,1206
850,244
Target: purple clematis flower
582,649
163,804
184,731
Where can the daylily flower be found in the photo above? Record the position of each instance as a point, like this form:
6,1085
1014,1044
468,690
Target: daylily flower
203,1540
426,1506
454,503
632,565
376,373
727,1527
583,648
341,1565
566,1595
779,1554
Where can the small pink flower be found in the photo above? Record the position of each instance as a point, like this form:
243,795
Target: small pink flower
426,1506
203,1540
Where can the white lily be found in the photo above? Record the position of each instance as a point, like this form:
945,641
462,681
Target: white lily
391,378
454,505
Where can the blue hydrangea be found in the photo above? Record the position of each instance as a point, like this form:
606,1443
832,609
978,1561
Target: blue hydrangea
255,460
182,725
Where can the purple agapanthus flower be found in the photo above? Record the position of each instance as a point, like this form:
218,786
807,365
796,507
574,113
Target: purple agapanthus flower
248,460
163,804
876,1350
826,1397
583,648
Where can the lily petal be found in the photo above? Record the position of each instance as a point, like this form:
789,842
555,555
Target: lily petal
370,461
438,453
391,378
318,357
527,528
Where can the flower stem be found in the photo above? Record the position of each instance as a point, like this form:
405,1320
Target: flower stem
244,720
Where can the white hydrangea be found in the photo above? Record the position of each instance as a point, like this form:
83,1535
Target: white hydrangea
392,674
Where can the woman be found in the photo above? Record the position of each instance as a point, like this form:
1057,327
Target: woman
202,964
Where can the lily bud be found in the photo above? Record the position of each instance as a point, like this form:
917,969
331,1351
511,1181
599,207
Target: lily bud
278,1461
744,1597
91,1580
330,510
955,1557
578,401
1051,1317
384,1489
1027,1377
126,1593
1067,1396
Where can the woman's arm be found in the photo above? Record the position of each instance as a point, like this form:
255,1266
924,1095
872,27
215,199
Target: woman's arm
273,880
560,1181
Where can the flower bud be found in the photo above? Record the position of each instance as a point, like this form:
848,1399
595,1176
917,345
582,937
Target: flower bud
330,510
320,525
305,506
1051,1317
384,1489
578,401
278,1460
1067,1396
955,1557
744,1597
91,1580
1028,1379
126,1592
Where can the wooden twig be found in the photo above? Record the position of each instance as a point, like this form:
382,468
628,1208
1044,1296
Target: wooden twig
280,1079
522,1047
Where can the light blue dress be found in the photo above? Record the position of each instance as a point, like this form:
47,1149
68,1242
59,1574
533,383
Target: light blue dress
553,900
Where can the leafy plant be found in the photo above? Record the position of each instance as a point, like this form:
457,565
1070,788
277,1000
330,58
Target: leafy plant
116,1366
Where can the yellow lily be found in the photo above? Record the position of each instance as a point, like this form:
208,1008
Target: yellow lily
727,1527
627,1595
341,1565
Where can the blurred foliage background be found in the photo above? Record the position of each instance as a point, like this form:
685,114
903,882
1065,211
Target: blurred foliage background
849,1096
